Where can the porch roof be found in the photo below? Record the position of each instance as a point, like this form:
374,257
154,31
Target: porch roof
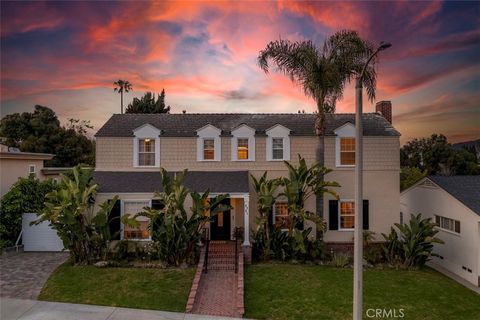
151,181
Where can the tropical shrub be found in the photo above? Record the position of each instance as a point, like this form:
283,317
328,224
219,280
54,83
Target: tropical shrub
411,245
293,246
266,190
27,195
302,183
176,233
69,209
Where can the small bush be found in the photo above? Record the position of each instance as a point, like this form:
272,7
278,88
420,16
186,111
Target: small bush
373,255
340,260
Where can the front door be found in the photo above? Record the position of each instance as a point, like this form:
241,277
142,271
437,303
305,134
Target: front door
220,224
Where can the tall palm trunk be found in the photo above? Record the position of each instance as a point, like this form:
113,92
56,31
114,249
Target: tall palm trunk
121,102
320,158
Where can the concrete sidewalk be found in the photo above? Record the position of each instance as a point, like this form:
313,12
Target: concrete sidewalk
13,309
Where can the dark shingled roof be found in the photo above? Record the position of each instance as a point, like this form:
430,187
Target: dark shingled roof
465,188
200,181
185,125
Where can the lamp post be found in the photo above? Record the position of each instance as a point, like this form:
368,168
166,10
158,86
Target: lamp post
358,232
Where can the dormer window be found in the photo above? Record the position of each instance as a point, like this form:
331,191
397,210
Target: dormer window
146,152
242,149
209,146
243,143
347,151
278,143
208,149
277,148
345,146
146,146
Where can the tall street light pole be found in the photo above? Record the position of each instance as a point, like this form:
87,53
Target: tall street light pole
358,233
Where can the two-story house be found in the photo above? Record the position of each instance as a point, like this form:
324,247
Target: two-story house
221,151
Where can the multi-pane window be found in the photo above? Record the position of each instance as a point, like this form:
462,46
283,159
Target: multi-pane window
347,215
277,148
208,149
142,231
447,224
31,169
281,217
242,149
146,152
347,151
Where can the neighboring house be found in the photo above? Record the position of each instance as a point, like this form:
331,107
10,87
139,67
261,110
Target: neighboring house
15,164
453,203
222,150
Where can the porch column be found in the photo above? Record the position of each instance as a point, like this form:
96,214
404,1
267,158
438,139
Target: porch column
246,220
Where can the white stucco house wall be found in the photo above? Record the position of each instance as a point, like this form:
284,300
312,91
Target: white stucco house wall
454,204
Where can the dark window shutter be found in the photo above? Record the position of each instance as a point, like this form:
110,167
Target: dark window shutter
114,221
157,204
270,220
332,215
365,215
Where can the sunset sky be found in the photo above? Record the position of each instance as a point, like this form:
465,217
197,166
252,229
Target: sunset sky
66,55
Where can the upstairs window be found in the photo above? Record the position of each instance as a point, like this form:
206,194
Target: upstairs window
242,149
347,151
243,143
277,148
208,149
146,152
209,144
278,143
146,146
347,215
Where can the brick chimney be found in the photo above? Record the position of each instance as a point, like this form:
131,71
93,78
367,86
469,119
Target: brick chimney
385,109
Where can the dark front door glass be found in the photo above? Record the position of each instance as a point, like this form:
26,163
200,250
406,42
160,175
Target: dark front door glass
220,224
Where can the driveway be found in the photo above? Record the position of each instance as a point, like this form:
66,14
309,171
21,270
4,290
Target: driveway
22,275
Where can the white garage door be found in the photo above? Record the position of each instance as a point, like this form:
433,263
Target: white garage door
39,237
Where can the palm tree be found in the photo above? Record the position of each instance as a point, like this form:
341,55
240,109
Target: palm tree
323,73
121,86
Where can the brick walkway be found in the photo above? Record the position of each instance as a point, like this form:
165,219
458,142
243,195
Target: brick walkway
22,275
218,289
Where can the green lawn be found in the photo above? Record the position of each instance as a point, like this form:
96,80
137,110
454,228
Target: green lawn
285,291
162,289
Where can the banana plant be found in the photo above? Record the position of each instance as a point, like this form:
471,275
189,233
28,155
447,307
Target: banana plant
69,210
302,183
267,192
176,231
411,244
